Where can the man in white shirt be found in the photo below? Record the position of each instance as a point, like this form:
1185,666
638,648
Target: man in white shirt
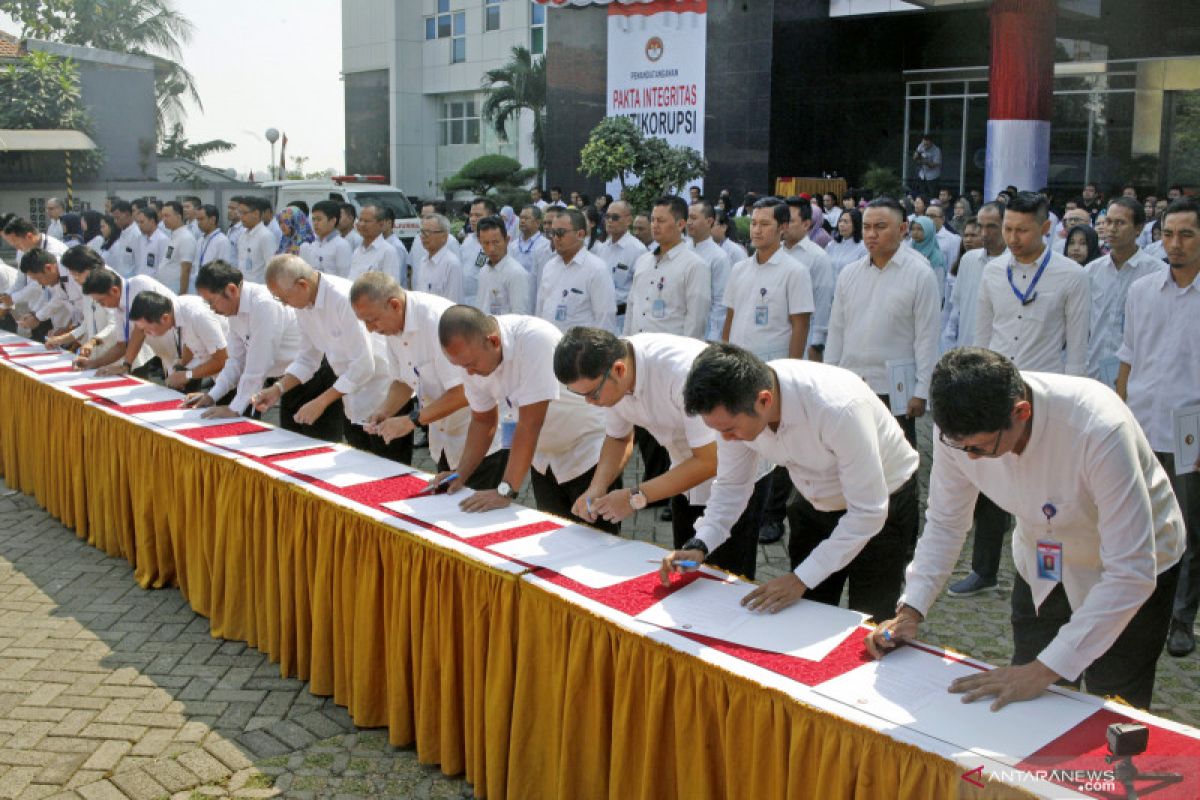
417,254
769,296
95,329
150,247
374,254
176,270
235,229
1109,278
1034,305
117,294
62,305
54,212
426,389
388,217
1073,216
928,158
263,340
1159,373
531,248
620,253
639,382
191,216
23,237
503,283
329,329
720,233
1098,539
258,243
556,199
887,308
329,252
213,245
846,455
510,383
671,290
470,253
798,245
122,253
185,334
701,219
949,242
270,219
347,218
440,272
576,287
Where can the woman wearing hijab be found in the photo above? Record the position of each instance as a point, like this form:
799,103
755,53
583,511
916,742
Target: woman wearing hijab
510,221
296,230
1082,245
924,240
817,233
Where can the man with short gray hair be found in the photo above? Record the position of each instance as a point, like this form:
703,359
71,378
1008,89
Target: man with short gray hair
54,211
440,271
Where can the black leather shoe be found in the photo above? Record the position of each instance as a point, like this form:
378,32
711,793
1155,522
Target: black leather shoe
770,532
1181,640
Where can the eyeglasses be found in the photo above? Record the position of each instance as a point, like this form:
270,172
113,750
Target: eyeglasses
594,394
972,449
430,233
613,217
558,233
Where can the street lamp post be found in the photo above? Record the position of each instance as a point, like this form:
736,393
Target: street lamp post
272,137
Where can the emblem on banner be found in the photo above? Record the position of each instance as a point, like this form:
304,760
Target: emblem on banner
654,48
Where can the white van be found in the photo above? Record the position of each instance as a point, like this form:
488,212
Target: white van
358,190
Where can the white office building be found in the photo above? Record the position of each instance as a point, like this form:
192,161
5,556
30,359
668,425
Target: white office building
413,71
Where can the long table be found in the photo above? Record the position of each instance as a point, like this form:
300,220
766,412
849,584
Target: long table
529,684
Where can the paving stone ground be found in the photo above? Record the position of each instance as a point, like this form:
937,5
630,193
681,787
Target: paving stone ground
110,691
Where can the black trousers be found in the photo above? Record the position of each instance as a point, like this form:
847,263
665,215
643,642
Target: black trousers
1127,668
1187,493
329,426
7,323
778,492
557,498
991,525
400,450
739,553
487,475
42,330
655,458
876,574
907,424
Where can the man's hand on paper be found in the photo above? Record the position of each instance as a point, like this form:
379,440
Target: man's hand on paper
220,412
436,484
198,400
394,428
892,633
776,594
310,412
679,562
267,398
585,505
1006,684
486,500
117,368
613,506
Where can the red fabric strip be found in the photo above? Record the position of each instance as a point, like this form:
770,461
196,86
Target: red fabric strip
1021,79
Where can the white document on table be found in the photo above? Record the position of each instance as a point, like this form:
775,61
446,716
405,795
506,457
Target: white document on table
344,468
902,380
71,379
591,557
45,361
805,630
268,442
138,395
442,510
1187,438
178,419
909,688
12,338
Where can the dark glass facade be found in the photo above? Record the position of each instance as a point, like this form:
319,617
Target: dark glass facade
367,131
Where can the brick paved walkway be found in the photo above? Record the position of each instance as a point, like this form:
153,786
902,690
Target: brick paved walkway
109,691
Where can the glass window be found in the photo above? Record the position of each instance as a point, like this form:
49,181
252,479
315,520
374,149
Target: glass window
443,23
458,52
456,131
473,131
460,24
537,14
491,15
443,6
537,45
460,123
367,124
430,29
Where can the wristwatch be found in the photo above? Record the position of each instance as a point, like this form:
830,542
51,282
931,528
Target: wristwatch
637,499
179,368
504,490
415,416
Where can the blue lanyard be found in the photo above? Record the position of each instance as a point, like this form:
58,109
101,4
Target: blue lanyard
125,288
207,241
1030,294
532,241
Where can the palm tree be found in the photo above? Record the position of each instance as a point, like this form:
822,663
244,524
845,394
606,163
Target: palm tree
519,84
176,145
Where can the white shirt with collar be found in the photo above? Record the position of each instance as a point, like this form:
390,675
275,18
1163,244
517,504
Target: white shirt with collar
1163,353
329,329
416,255
472,257
964,298
378,256
255,248
503,288
401,257
820,273
131,287
661,365
719,268
885,314
65,303
124,252
331,255
526,251
578,292
28,291
441,274
180,249
353,238
573,431
193,228
843,450
212,247
671,293
276,231
263,340
416,358
950,243
737,254
1109,287
149,253
197,329
762,298
621,257
1088,467
234,233
1034,336
54,229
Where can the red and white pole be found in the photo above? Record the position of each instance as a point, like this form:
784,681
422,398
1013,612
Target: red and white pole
1020,100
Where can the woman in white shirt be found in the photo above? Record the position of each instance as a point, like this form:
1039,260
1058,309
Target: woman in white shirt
91,229
109,248
847,246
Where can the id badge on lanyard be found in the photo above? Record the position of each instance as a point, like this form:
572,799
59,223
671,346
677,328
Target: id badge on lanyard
1049,551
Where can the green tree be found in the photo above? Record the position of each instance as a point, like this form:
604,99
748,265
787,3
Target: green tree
519,84
488,173
151,28
176,145
41,91
616,150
